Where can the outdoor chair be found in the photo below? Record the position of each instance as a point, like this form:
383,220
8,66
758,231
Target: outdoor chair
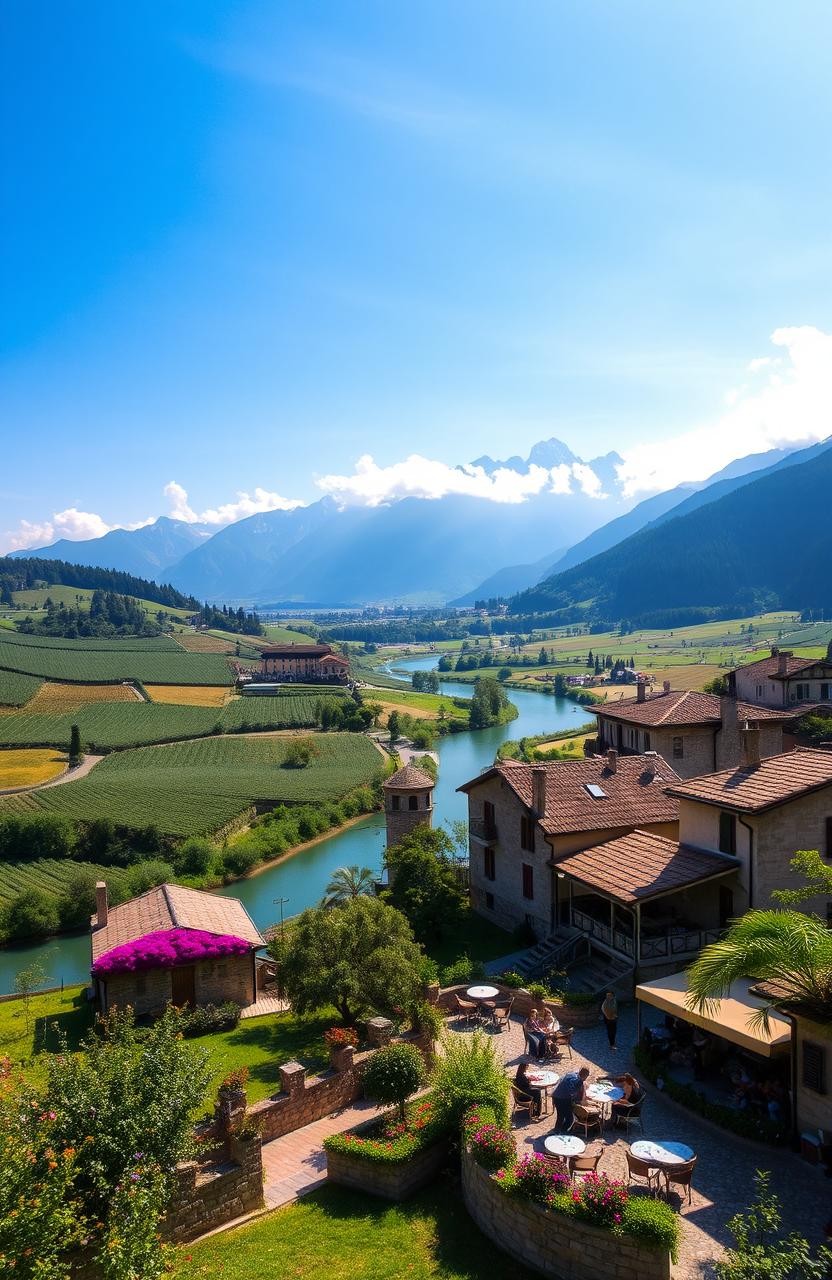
629,1114
557,1164
586,1163
524,1102
679,1175
467,1010
638,1169
586,1118
562,1040
501,1015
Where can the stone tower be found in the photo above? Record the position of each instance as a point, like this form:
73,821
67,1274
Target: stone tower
408,802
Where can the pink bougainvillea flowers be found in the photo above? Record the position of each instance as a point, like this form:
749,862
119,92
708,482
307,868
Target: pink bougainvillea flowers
167,948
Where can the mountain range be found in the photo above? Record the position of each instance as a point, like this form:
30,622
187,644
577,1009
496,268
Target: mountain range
746,543
418,551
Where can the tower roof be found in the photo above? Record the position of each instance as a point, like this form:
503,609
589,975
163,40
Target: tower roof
410,779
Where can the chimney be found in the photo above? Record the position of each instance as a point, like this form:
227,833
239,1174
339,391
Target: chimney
750,735
612,759
728,711
641,691
666,686
651,762
539,790
783,662
101,903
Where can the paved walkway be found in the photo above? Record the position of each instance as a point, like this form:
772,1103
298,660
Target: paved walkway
724,1176
296,1163
264,1004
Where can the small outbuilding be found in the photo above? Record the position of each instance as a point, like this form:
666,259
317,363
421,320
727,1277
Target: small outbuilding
172,945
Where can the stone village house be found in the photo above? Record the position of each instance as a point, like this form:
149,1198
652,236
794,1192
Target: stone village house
784,681
693,732
163,909
304,664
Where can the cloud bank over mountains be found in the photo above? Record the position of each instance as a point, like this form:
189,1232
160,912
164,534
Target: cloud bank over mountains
785,400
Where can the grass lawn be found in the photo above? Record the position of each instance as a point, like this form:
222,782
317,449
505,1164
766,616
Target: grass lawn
69,1009
344,1235
477,938
263,1045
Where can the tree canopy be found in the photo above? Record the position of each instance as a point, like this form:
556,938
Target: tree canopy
423,885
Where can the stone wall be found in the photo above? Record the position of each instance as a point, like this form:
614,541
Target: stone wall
302,1101
215,980
208,1196
396,1181
814,1110
553,1244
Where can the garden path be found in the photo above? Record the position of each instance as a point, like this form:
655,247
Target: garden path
723,1181
296,1163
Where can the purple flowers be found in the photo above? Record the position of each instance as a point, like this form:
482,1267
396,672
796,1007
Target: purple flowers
167,948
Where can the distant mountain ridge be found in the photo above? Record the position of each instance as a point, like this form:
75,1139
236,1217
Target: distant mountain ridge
144,552
766,543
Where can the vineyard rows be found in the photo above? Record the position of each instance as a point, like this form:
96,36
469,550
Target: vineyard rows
90,666
15,689
194,788
113,644
53,875
109,725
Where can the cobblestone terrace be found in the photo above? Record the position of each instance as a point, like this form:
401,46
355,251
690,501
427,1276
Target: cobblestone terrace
724,1176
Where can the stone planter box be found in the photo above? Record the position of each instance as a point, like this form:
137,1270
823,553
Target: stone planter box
395,1180
551,1243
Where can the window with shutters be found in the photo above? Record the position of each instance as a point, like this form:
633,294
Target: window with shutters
814,1067
488,867
647,742
727,833
824,692
527,834
394,803
528,881
413,802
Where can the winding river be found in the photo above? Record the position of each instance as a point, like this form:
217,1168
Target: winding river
302,879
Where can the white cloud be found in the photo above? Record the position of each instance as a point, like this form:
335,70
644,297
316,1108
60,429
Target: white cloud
788,402
246,505
418,477
72,524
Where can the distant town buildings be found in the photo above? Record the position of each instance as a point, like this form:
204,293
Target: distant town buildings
782,680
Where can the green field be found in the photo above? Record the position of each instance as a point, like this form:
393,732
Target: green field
157,661
110,725
15,689
54,874
34,601
194,788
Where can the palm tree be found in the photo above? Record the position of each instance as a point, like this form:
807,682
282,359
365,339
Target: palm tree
348,882
788,951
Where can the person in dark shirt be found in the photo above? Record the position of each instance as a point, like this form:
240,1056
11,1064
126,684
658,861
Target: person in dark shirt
570,1089
524,1085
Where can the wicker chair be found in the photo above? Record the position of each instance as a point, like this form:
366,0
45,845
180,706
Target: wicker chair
586,1163
587,1118
524,1102
501,1015
467,1010
628,1114
679,1175
562,1040
638,1169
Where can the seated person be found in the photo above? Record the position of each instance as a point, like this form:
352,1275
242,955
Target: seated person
535,1035
524,1086
550,1027
633,1091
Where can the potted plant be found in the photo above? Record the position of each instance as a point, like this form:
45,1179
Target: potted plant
341,1039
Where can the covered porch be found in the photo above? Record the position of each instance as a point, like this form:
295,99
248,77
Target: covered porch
645,899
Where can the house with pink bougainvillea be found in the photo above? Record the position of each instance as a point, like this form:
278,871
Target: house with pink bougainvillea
172,945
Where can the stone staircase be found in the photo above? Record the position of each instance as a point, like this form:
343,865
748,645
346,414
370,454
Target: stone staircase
597,972
555,952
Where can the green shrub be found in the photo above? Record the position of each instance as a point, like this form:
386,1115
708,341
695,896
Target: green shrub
146,875
211,1017
427,1019
462,970
538,992
240,858
653,1222
393,1074
511,978
468,1072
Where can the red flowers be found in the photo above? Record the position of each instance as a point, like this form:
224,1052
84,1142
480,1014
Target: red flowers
340,1037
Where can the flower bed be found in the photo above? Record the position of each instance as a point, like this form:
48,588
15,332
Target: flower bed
167,948
390,1140
597,1200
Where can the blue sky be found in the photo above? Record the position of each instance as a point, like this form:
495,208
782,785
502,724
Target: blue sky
247,243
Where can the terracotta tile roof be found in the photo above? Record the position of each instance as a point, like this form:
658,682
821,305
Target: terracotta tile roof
683,707
633,796
770,667
170,906
410,779
640,865
755,788
296,650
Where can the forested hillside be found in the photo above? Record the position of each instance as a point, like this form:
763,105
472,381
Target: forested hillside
19,575
767,545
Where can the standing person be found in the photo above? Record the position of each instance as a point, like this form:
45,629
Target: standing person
609,1012
570,1089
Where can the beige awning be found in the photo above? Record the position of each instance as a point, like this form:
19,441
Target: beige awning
727,1017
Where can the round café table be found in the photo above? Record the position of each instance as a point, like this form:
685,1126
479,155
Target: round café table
661,1154
604,1095
544,1081
564,1144
482,993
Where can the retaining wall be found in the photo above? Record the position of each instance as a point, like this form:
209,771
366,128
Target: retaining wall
553,1244
389,1181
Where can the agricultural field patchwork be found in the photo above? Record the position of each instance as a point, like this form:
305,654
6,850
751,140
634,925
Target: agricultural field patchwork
56,698
86,662
30,767
110,726
194,788
109,644
54,875
16,689
189,695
